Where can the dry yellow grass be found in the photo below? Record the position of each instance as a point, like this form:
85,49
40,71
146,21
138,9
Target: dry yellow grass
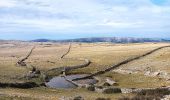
57,94
158,61
46,56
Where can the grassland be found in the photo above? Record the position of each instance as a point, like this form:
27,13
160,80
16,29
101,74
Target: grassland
48,55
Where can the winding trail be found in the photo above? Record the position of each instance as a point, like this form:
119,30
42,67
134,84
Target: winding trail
121,63
21,62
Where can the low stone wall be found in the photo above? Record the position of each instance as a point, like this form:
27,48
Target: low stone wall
25,85
21,62
66,52
121,63
69,68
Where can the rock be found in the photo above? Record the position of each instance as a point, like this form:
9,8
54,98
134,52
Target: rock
111,90
125,90
106,84
155,73
63,98
137,90
99,89
147,73
78,98
148,69
110,82
166,97
33,73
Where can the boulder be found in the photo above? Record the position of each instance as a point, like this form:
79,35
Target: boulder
99,89
125,90
106,84
110,82
156,74
147,73
78,98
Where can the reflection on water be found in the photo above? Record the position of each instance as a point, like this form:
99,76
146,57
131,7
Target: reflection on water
61,82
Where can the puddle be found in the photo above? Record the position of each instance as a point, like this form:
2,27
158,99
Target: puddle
61,82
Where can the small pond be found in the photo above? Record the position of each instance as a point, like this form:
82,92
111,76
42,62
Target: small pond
61,82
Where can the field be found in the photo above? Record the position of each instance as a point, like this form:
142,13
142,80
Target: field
47,56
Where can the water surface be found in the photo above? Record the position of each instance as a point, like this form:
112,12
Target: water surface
61,82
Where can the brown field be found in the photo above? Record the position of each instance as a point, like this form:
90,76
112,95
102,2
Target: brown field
47,56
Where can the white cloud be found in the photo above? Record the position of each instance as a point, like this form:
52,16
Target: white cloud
7,3
83,15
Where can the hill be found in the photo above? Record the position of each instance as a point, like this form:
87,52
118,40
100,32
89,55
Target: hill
106,39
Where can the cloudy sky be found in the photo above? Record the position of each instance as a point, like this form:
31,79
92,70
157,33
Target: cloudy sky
63,19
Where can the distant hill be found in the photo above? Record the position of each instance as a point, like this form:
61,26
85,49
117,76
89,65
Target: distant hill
106,39
43,40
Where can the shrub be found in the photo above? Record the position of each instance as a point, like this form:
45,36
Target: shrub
103,99
149,94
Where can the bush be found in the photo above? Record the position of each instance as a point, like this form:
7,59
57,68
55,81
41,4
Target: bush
112,90
91,88
78,98
150,94
103,99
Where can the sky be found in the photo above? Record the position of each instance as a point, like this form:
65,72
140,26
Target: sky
64,19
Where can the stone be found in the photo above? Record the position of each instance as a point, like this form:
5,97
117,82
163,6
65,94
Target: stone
99,89
111,82
106,84
155,73
78,98
147,73
125,90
